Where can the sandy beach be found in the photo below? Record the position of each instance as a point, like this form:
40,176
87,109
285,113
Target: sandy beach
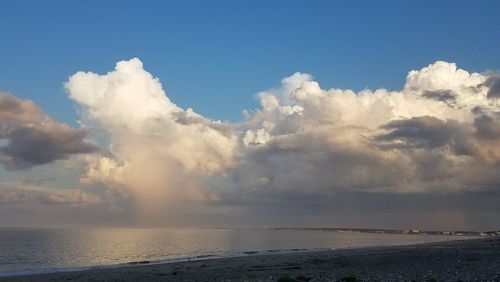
460,260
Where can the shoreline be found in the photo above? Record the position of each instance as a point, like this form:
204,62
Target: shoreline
461,259
205,256
182,259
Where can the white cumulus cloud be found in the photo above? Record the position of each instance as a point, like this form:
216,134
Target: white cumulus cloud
438,134
157,151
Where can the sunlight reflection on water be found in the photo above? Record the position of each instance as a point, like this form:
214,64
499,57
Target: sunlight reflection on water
22,249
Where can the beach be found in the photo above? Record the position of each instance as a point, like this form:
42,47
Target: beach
459,260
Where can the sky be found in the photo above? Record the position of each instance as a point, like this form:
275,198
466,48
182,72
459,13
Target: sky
250,113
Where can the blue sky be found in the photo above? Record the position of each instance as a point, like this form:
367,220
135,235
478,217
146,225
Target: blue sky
214,56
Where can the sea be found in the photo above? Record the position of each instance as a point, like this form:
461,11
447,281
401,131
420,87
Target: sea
27,251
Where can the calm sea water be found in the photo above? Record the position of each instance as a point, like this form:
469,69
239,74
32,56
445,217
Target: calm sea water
41,250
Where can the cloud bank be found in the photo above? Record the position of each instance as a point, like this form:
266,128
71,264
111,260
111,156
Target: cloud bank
429,153
29,137
439,134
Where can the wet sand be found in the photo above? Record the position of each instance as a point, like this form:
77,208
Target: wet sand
461,260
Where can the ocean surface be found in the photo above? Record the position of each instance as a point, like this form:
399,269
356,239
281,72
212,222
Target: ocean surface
47,250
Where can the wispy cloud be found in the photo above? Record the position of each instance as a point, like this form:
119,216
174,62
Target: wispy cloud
32,193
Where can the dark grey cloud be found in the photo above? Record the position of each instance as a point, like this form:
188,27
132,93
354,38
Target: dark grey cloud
487,128
493,83
310,164
29,146
445,96
477,110
421,132
29,137
189,118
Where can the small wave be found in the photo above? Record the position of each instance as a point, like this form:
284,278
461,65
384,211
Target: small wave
204,256
139,262
251,252
43,271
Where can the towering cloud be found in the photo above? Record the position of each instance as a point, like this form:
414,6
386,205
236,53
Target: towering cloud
28,137
158,153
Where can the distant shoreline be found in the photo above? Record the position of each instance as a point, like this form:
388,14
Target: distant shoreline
393,231
472,259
